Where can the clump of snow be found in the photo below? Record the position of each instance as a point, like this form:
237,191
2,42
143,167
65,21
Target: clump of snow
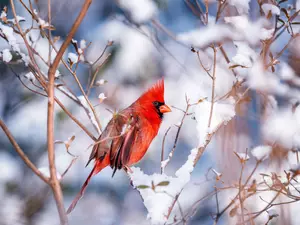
101,82
242,6
42,23
263,80
203,37
30,76
140,10
286,72
270,8
295,168
218,175
19,19
72,57
245,55
243,157
9,166
261,152
159,199
88,109
3,15
8,33
102,97
223,111
283,127
252,32
6,55
45,171
83,44
272,213
164,163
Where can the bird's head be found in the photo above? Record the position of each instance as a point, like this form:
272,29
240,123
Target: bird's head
153,99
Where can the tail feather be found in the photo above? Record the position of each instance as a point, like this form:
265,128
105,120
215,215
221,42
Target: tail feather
82,190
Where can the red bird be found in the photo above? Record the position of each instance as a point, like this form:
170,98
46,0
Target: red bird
128,134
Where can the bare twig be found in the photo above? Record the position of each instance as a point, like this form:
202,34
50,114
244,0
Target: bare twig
50,121
162,149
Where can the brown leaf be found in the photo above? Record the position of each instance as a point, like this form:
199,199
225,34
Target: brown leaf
233,211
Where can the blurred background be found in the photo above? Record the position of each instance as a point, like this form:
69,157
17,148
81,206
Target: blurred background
140,55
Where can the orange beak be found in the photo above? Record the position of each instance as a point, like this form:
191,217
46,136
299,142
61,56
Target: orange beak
164,109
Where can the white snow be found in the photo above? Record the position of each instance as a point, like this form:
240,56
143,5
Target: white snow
45,171
270,8
9,34
86,106
263,80
261,152
295,168
9,166
101,82
205,36
283,127
286,72
83,44
72,57
6,55
3,15
252,32
43,23
242,6
245,55
19,19
102,97
140,10
272,213
242,156
30,76
159,200
223,112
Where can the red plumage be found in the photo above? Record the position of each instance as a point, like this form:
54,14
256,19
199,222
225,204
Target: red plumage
128,134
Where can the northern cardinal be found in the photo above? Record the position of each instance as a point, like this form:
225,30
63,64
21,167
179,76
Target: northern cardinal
128,134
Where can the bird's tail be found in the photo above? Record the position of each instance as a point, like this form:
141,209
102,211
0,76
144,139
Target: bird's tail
97,168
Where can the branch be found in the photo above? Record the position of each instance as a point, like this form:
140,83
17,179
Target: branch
56,188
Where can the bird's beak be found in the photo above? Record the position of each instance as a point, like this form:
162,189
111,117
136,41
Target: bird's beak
164,109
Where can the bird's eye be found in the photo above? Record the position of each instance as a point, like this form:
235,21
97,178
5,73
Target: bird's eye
156,103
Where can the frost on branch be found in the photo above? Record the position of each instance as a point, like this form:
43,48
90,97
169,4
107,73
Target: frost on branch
86,107
223,112
159,198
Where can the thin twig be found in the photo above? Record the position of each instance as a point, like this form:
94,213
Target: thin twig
162,149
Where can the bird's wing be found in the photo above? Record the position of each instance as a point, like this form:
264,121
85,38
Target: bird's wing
116,140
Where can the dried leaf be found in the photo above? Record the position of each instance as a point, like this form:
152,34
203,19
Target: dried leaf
253,186
233,211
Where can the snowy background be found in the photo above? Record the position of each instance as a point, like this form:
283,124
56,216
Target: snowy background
154,39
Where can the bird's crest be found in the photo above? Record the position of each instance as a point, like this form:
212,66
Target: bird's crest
155,93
